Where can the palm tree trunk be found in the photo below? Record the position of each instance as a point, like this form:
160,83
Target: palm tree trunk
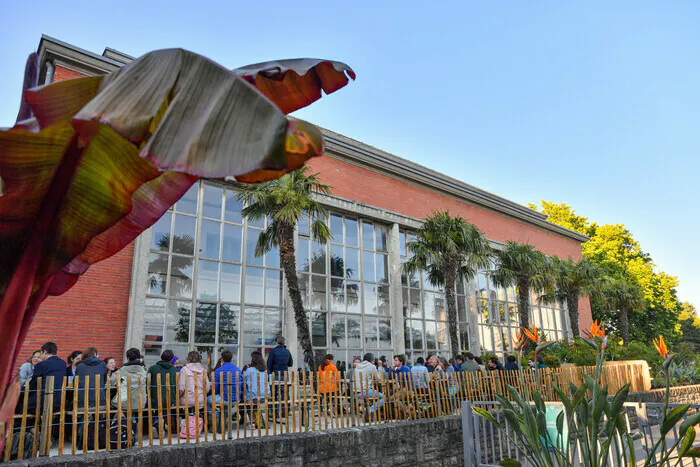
524,309
624,326
572,305
289,265
450,280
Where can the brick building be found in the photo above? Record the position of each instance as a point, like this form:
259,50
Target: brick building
192,281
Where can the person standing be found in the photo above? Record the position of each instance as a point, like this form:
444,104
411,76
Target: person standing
279,362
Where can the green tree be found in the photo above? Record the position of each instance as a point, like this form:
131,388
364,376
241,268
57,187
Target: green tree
521,266
285,201
571,280
448,249
564,215
623,297
690,325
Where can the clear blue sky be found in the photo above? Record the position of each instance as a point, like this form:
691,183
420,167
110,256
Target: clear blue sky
595,103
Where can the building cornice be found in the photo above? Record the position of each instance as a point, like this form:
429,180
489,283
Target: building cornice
74,58
358,153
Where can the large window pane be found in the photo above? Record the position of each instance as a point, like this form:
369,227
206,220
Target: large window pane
429,305
442,333
414,310
252,326
209,242
367,235
157,273
337,261
273,326
228,324
188,203
338,331
304,289
208,280
430,335
461,309
273,288
303,254
464,336
370,298
250,243
337,228
303,225
181,277
254,286
440,307
354,331
318,258
178,321
318,329
233,207
230,283
380,232
352,263
272,258
368,266
211,203
318,292
160,233
383,268
402,244
205,323
337,295
154,319
352,294
416,334
383,300
233,240
184,236
351,232
371,339
385,333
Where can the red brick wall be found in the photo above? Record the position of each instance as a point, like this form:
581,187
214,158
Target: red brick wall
368,187
62,74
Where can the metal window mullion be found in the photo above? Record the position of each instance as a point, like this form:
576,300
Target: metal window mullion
167,276
195,267
241,321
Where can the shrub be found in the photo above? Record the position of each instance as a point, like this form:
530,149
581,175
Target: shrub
552,361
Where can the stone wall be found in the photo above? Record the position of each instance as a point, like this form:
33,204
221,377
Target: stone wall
677,395
436,442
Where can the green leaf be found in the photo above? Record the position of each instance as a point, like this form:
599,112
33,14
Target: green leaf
687,441
694,452
513,420
560,422
484,414
619,400
541,424
688,422
590,342
672,418
539,402
510,463
505,402
542,347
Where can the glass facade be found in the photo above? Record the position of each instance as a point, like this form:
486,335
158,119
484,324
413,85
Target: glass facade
207,290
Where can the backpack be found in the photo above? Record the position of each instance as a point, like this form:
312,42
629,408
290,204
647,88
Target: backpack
28,444
101,435
190,424
121,442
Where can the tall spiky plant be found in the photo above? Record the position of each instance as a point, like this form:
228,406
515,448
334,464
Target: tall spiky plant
448,249
285,201
521,266
568,282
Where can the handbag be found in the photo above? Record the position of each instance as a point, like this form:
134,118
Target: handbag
189,424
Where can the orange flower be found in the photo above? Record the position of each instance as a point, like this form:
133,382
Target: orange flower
519,342
661,346
533,335
597,330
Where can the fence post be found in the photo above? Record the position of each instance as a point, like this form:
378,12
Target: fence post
46,417
468,434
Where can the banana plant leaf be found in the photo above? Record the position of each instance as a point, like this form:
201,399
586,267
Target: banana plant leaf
293,84
93,162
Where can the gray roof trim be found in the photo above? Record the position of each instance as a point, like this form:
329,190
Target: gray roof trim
356,152
74,58
117,55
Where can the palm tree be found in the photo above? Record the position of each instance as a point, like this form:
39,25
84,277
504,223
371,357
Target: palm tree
285,201
448,249
568,282
623,296
521,266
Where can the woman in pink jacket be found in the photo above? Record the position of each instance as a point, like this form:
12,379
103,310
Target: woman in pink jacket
193,373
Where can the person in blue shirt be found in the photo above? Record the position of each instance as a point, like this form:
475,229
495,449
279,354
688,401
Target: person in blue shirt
420,375
400,367
511,363
459,359
278,362
255,388
401,373
50,365
230,376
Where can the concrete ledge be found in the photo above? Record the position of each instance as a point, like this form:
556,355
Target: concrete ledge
435,442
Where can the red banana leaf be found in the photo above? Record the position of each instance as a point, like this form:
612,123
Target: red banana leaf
103,158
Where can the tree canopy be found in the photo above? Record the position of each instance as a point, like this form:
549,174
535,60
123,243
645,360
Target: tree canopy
613,248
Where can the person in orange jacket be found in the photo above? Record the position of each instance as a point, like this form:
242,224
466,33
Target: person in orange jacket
328,381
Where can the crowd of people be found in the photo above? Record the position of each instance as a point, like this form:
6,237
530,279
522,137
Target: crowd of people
100,382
